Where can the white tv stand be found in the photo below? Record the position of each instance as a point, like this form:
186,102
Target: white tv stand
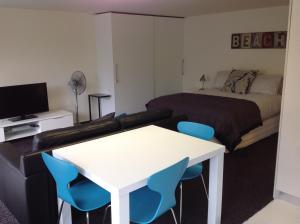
10,130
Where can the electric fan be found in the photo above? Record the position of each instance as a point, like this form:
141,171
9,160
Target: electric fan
78,86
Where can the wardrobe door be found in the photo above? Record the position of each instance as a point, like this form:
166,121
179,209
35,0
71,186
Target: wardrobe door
168,55
105,64
288,164
133,47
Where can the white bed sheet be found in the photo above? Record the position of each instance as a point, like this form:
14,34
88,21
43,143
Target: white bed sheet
269,105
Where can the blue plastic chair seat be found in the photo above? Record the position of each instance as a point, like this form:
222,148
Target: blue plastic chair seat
89,196
84,195
192,172
197,130
143,205
158,197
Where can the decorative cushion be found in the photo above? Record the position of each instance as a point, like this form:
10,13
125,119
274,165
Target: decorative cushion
239,81
267,84
220,79
106,117
109,116
118,117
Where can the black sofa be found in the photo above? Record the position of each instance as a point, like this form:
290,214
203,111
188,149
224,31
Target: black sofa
26,186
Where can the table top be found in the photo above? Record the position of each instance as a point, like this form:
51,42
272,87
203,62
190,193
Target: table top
99,95
122,162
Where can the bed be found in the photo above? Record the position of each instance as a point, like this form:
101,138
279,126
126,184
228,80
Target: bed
269,106
239,119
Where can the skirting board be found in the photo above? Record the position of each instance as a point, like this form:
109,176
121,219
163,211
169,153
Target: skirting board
287,197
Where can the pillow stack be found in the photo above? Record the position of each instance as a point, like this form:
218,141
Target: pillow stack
243,82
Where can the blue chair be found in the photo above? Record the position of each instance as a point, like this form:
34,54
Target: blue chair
158,197
84,195
201,131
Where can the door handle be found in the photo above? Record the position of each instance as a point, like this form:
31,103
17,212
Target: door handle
117,73
182,67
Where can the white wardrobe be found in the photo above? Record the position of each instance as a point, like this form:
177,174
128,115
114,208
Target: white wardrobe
138,58
287,184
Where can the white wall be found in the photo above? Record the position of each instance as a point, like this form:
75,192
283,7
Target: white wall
288,164
207,43
44,46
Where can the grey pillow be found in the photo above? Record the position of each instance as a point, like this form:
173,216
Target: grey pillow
267,84
220,79
239,81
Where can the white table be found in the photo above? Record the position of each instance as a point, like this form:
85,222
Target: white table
121,163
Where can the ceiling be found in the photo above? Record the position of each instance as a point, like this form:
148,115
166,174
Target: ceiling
156,7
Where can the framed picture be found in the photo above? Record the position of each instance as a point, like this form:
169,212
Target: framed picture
259,40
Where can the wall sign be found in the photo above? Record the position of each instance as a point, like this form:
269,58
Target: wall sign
259,40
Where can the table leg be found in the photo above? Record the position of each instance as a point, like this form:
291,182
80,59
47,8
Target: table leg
90,108
215,189
119,208
66,215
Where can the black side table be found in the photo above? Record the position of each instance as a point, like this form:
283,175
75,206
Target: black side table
99,96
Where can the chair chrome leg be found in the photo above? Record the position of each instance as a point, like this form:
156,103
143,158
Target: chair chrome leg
60,211
174,216
204,186
180,204
105,213
87,218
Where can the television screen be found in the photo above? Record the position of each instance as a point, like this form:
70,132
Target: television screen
23,100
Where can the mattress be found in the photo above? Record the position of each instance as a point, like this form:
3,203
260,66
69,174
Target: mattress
269,105
270,126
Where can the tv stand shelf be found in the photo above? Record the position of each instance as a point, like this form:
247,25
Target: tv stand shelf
10,130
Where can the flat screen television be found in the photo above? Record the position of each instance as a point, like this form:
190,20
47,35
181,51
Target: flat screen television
22,101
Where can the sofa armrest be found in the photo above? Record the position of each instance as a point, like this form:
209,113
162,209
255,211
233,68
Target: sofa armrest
10,155
32,163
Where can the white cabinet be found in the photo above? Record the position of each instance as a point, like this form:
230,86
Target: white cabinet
133,50
288,158
138,58
62,121
10,130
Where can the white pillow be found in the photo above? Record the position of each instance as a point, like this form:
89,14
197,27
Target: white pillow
220,79
267,84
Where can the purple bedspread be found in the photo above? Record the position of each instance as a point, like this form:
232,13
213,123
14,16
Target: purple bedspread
231,118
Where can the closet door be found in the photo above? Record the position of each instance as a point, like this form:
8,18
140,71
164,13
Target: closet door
133,47
168,55
288,163
105,64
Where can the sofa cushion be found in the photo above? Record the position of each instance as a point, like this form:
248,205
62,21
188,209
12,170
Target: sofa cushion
143,118
63,136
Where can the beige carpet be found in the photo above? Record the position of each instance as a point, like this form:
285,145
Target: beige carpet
277,212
